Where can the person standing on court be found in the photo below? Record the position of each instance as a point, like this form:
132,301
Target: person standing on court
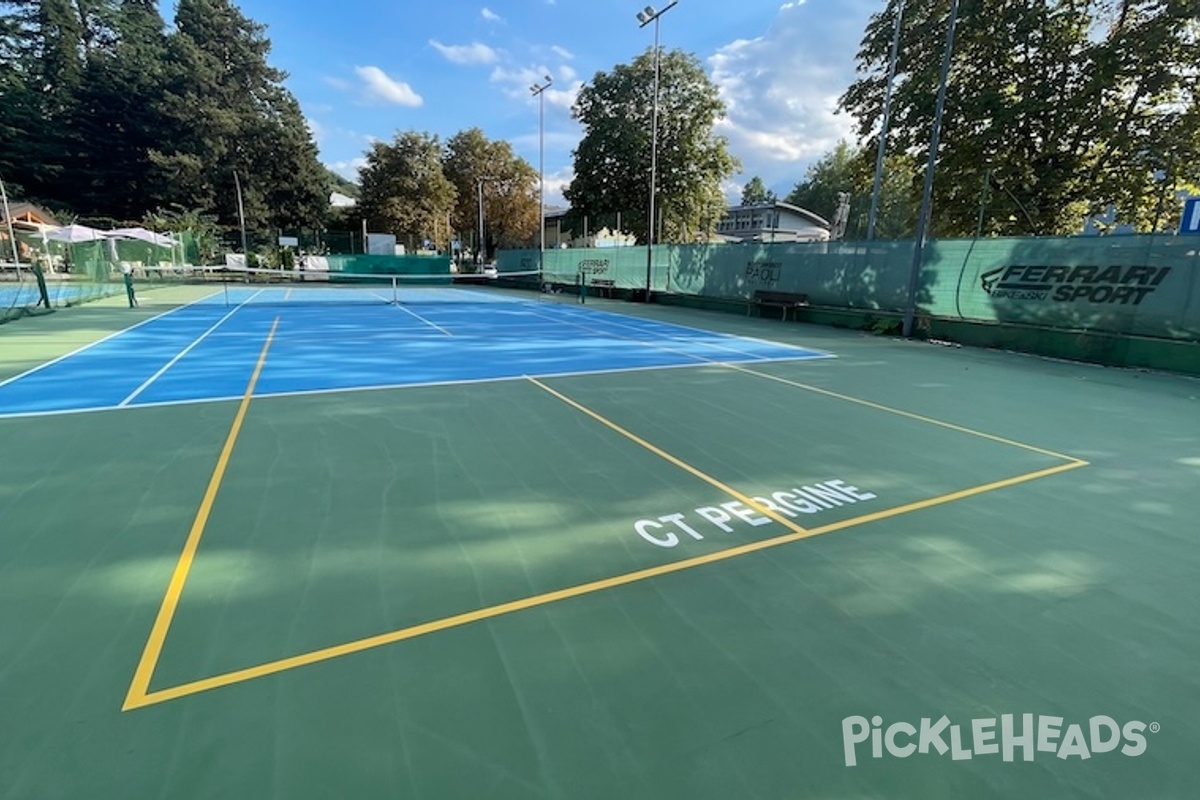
40,276
127,272
27,254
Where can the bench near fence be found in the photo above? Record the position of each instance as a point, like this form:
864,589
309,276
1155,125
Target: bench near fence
603,285
786,301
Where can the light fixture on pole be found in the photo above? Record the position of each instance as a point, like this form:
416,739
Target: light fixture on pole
538,89
480,247
644,18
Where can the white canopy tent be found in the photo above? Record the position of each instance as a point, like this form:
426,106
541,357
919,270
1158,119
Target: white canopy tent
74,234
141,234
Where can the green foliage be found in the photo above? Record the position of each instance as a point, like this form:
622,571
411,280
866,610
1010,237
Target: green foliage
837,171
755,192
199,232
845,169
612,161
1059,107
404,190
509,191
108,113
342,186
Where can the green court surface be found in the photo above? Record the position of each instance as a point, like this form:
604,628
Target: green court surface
699,581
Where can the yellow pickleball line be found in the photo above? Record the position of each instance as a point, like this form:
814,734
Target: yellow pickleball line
166,611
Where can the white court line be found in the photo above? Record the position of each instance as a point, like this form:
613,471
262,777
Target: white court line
622,320
112,335
184,352
415,314
700,358
395,386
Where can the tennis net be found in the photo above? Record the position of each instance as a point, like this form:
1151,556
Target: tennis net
254,286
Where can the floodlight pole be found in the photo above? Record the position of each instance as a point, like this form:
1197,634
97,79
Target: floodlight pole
479,244
883,130
644,18
481,247
538,90
241,216
12,236
927,194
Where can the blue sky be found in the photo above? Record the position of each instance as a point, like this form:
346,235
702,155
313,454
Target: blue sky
364,69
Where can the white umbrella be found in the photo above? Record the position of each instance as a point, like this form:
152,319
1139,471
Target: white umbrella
73,234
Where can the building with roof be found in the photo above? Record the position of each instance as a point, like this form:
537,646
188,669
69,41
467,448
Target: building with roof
26,216
772,222
763,222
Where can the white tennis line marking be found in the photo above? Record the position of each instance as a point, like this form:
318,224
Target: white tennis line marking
112,335
395,386
624,320
418,316
184,352
657,346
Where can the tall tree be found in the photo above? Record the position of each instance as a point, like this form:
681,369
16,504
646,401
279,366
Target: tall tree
613,159
755,192
227,112
1057,106
837,171
850,170
506,183
41,64
404,190
114,119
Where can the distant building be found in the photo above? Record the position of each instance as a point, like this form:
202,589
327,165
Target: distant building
339,200
772,222
558,235
765,222
27,216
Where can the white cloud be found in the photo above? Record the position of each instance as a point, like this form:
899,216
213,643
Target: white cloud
490,16
562,53
555,183
474,53
781,89
379,86
348,169
515,83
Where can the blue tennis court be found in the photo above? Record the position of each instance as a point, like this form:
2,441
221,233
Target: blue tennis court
598,549
331,339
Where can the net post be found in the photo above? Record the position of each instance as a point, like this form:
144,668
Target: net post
395,292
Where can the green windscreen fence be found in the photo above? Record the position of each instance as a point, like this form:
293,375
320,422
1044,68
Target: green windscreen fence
1139,285
77,272
383,265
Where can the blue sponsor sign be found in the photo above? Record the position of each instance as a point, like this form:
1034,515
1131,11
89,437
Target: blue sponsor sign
1191,216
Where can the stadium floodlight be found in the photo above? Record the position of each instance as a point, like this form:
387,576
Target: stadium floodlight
644,18
539,90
